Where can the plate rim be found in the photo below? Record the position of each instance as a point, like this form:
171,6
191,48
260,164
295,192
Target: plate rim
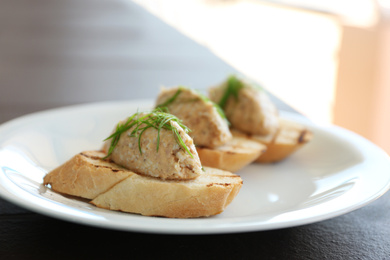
5,194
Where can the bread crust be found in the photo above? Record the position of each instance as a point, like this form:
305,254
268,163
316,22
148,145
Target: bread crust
207,195
86,175
112,187
233,156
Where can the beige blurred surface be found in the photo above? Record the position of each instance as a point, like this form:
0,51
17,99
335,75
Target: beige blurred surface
327,59
57,53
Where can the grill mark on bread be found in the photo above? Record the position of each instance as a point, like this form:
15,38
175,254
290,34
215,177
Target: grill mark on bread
228,176
301,138
108,167
220,184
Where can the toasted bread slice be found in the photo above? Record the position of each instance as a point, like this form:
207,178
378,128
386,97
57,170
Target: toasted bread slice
289,138
123,190
234,155
207,195
86,175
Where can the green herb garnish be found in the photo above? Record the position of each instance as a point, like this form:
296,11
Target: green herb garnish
234,85
156,119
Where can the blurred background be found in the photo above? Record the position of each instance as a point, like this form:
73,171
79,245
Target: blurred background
329,60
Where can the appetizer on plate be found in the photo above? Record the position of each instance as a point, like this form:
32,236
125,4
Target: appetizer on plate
210,129
253,116
148,166
177,160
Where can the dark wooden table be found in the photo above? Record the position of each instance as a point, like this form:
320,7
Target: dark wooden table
58,53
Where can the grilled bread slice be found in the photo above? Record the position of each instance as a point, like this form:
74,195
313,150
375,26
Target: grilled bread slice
232,156
289,138
207,195
123,190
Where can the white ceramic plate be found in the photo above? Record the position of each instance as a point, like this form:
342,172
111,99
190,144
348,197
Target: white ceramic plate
336,173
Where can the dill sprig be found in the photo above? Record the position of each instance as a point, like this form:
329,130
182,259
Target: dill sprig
156,119
234,85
